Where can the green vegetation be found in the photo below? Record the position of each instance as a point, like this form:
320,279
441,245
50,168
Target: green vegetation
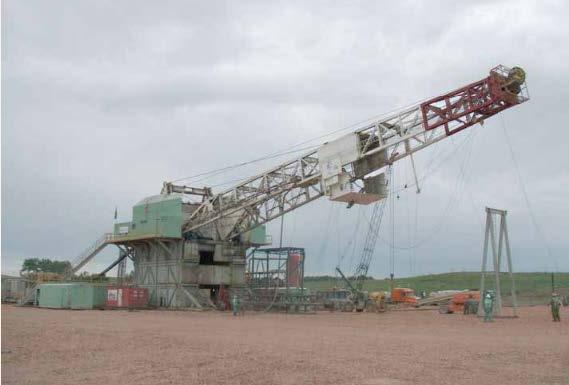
46,270
90,277
531,287
44,265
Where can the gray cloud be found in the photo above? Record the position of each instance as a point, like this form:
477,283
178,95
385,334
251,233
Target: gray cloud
104,101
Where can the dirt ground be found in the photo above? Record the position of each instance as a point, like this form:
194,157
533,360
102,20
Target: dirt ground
41,346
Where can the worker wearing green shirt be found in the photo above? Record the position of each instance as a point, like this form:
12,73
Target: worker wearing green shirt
235,305
488,303
555,305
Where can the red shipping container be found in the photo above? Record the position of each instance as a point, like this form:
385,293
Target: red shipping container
127,297
294,269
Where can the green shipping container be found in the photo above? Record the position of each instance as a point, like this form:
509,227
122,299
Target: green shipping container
80,295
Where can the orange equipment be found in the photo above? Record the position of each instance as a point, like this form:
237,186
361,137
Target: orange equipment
403,295
456,305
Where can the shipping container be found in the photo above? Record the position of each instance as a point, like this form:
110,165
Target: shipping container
13,288
294,270
127,297
76,295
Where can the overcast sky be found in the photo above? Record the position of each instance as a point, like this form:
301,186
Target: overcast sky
102,101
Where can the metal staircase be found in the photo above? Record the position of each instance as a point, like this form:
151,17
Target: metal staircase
30,297
80,261
88,254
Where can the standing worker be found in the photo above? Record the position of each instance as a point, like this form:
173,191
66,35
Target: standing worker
382,303
470,306
488,303
235,304
555,305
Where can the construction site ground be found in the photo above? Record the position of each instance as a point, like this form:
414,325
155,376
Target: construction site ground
42,346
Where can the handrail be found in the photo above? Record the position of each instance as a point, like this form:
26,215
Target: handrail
78,262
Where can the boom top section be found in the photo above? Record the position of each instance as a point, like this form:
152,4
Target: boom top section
475,102
349,169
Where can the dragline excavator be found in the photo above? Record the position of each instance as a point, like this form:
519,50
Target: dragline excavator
349,169
207,234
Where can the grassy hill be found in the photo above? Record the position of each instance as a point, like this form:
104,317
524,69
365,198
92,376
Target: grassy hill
532,288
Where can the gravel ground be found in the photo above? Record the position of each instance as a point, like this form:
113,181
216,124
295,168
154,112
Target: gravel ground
41,346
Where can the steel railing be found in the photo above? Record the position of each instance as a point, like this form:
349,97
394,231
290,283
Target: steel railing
89,253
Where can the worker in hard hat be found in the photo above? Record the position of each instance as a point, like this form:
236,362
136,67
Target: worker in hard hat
466,308
555,305
470,306
488,303
235,304
474,306
382,303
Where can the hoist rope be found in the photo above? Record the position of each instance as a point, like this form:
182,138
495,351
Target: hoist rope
392,217
288,150
407,203
455,196
525,195
352,242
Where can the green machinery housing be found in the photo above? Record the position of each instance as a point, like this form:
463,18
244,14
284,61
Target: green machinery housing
178,270
161,216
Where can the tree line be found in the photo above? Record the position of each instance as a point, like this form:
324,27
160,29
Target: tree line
44,265
33,266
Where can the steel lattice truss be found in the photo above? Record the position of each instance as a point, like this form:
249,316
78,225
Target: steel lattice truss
381,143
360,273
264,197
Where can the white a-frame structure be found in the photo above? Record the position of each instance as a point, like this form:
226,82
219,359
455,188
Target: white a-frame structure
490,237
